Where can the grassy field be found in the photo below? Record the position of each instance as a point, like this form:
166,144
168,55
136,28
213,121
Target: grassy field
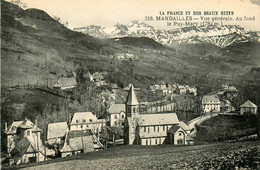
215,156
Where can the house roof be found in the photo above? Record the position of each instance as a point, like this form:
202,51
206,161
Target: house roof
66,82
114,86
22,146
26,124
210,98
175,128
249,104
78,140
36,129
184,126
158,119
83,118
116,108
131,98
12,128
57,130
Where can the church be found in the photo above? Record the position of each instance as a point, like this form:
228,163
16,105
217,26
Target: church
152,129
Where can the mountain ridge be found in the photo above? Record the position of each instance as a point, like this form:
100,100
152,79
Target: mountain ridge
221,35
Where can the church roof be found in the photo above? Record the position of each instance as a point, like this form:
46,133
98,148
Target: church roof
158,119
131,98
249,104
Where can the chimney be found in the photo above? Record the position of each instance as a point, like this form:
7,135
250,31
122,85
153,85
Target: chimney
5,126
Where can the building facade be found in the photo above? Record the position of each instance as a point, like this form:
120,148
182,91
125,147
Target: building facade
248,108
116,115
210,103
86,120
150,129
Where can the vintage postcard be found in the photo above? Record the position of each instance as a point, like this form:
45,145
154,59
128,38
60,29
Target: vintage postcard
130,84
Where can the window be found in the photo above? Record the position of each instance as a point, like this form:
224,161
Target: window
148,129
87,126
146,142
90,120
163,128
155,141
154,128
28,133
115,122
180,134
160,141
144,129
84,120
133,109
77,121
158,129
81,126
115,116
123,116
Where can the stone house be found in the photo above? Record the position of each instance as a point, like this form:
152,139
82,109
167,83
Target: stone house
116,115
86,120
24,144
210,103
248,108
80,142
66,83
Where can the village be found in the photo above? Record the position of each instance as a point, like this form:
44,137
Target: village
126,123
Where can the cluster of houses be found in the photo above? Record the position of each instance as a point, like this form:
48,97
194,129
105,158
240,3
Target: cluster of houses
220,102
125,56
24,144
166,89
65,83
148,51
81,133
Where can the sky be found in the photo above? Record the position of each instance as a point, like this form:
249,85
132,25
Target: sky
79,13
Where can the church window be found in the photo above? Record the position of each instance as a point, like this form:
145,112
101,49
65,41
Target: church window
155,141
154,128
158,129
180,134
148,129
133,109
146,142
160,141
123,116
144,129
163,128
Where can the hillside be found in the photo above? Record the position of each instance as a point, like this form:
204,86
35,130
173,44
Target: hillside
38,49
241,155
35,47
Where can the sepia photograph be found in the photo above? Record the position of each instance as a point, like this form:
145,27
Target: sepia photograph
130,84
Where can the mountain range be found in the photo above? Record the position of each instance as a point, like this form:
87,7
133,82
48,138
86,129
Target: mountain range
219,35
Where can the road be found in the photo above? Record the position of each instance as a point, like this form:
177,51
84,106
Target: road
198,121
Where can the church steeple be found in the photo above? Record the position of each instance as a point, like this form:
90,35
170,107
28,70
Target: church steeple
132,104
